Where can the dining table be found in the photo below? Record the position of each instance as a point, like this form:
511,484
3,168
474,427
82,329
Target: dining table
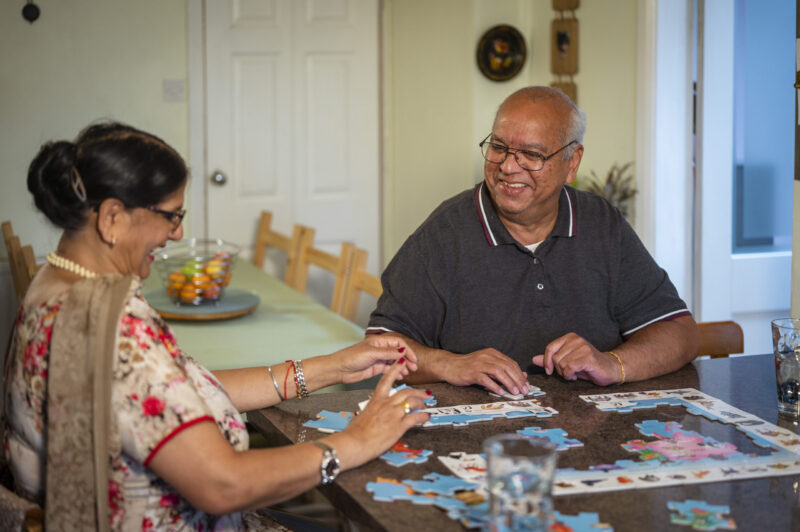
768,503
284,324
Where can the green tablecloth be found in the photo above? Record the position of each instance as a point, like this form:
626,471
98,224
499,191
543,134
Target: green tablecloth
286,325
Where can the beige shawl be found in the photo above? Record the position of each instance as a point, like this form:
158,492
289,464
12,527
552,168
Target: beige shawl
80,432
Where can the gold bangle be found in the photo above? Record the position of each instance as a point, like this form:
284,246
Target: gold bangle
621,366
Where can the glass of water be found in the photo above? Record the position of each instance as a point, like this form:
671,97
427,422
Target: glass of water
786,346
520,473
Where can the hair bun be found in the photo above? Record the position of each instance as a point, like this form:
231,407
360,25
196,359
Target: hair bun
50,182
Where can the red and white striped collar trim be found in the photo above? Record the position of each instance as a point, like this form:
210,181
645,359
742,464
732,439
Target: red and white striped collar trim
481,204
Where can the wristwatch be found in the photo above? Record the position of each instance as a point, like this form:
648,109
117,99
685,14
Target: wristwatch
329,467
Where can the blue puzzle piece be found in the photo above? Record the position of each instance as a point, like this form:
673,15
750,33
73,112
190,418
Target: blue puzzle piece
387,491
557,437
582,522
400,459
639,404
330,421
460,419
520,413
700,515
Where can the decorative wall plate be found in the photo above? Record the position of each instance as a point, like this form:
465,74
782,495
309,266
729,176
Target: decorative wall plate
501,53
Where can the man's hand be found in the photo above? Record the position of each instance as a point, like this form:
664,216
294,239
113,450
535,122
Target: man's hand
574,358
488,368
654,350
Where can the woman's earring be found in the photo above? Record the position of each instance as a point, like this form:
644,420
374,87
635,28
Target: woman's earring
113,241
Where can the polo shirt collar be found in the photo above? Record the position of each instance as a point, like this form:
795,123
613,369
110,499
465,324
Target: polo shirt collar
496,233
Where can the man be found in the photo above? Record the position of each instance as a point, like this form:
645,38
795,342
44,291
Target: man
525,271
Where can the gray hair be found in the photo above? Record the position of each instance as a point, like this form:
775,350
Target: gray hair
572,129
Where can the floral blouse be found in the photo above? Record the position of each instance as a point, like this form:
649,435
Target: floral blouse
158,391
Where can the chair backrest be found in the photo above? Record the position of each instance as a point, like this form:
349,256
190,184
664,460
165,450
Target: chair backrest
18,514
21,260
360,281
338,266
266,238
720,338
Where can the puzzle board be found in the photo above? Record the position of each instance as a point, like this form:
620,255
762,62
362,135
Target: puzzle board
670,455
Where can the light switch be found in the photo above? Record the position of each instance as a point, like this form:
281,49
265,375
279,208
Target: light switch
174,90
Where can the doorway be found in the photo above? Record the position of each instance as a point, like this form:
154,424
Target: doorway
284,116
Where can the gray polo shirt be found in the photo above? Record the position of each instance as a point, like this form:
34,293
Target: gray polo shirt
462,283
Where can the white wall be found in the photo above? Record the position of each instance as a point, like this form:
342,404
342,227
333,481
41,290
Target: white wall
83,60
438,105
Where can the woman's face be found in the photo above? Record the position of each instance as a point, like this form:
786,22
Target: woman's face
149,231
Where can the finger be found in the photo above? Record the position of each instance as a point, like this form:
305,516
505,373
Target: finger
416,398
515,378
491,385
415,418
550,351
392,374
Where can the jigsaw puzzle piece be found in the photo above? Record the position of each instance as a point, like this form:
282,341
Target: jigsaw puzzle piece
328,421
557,437
401,455
582,522
701,516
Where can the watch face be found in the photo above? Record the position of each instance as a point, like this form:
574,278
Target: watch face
332,468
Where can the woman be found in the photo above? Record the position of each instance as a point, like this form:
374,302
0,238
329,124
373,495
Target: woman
177,447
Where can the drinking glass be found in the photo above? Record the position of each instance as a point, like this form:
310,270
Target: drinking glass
520,478
786,346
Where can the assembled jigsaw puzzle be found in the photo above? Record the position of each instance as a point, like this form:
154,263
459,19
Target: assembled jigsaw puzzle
465,414
679,456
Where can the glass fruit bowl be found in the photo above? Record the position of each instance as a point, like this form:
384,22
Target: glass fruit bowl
196,271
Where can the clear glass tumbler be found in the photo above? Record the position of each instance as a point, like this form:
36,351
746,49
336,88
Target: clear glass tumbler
520,473
786,346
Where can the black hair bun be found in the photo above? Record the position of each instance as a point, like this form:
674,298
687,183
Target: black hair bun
50,181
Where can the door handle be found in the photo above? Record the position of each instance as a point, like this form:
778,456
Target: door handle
218,178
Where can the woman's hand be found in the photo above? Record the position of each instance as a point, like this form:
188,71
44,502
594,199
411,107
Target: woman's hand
373,356
384,420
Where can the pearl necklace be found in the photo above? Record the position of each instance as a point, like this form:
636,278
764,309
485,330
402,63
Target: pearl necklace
65,264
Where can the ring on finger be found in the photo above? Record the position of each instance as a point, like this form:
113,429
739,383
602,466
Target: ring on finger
406,407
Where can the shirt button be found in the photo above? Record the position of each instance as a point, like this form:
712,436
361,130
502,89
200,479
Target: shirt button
540,286
535,260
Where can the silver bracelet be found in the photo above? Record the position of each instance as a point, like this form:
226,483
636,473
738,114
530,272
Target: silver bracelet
300,380
275,383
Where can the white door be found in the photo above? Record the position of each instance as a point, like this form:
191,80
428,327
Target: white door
745,181
291,119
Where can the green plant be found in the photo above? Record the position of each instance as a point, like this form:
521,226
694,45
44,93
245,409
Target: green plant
618,187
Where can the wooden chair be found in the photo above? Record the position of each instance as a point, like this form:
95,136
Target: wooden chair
360,281
21,260
266,238
339,266
720,338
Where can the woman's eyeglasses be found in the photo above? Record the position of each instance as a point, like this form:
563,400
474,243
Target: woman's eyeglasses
174,217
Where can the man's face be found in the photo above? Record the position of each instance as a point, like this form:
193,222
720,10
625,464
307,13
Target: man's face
519,195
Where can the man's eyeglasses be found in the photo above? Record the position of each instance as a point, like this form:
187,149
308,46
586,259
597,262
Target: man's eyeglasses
174,217
496,153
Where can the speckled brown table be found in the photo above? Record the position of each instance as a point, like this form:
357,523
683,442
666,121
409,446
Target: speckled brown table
767,504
